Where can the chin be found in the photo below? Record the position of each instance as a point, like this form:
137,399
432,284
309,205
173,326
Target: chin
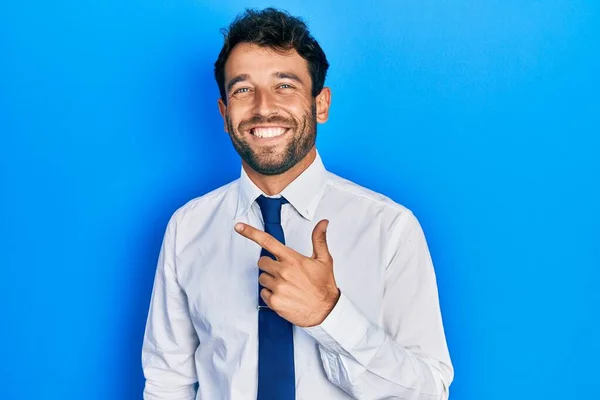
270,166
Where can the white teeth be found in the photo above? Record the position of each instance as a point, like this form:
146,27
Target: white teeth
268,132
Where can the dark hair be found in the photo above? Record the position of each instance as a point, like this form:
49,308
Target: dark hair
278,30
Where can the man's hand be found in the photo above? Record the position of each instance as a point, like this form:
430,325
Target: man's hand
300,289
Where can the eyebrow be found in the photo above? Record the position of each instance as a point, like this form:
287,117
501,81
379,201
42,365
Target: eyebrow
288,75
280,75
237,79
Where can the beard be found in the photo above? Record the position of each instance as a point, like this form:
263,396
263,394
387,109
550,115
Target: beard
267,160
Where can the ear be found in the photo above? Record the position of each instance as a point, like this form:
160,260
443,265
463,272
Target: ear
323,100
223,112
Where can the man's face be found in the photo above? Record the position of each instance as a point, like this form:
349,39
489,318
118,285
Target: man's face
270,114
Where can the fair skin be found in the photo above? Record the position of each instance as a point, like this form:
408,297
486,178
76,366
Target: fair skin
269,108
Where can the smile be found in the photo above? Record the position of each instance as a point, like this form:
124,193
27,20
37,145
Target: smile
268,132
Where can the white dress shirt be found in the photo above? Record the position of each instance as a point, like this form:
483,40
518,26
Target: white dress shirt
384,339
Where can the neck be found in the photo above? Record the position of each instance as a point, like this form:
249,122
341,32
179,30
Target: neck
274,184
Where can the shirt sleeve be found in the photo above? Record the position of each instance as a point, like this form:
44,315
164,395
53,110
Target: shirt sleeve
404,357
170,340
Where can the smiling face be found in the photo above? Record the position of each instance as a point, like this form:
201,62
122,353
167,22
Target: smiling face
270,114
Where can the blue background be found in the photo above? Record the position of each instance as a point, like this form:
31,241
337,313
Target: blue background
482,117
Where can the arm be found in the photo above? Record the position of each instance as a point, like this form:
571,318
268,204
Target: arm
170,340
406,357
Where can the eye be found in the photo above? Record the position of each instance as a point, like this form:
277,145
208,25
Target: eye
285,86
241,90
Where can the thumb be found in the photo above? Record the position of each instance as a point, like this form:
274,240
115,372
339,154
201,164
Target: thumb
319,239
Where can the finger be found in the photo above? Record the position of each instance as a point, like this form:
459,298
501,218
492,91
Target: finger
266,296
319,239
267,281
264,240
268,265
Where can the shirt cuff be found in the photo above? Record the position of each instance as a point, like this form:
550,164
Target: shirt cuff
343,329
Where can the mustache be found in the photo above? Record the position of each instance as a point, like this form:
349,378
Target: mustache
259,119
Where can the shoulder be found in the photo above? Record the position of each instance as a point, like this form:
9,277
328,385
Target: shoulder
202,208
394,218
396,221
363,197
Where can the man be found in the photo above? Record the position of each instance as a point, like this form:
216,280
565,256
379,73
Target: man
290,282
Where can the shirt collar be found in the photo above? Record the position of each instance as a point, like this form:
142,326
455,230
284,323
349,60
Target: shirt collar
303,193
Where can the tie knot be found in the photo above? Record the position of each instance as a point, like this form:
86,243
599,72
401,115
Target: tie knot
271,208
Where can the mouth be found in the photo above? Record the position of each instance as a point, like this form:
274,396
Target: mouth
268,132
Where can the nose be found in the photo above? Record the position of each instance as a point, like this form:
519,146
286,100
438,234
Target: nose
264,103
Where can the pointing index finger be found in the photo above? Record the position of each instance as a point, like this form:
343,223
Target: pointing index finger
264,240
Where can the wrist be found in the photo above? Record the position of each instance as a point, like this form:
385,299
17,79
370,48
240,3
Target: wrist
329,304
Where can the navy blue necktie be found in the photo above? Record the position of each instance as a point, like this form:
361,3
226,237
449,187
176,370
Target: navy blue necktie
276,379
